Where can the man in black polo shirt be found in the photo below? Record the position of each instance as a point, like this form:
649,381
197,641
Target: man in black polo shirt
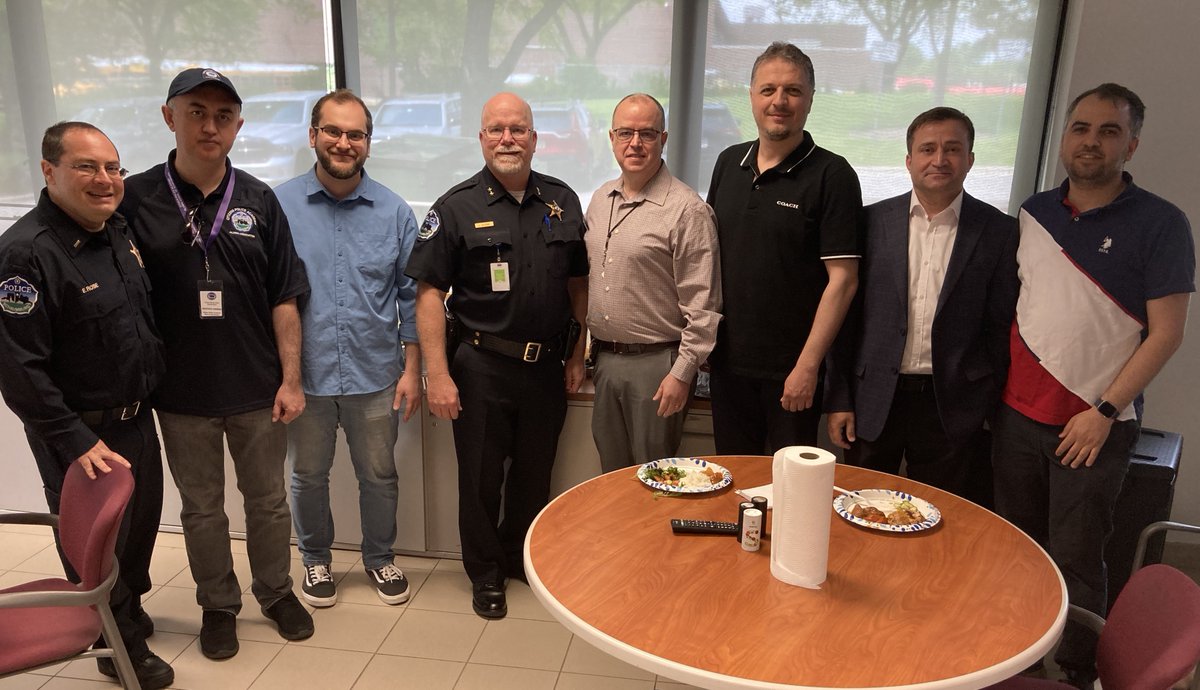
226,277
788,220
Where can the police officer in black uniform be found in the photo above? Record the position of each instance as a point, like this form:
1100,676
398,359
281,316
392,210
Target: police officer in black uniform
509,243
79,354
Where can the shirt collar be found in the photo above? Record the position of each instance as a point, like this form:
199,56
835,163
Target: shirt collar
955,207
365,189
185,186
806,146
494,191
1065,188
655,191
71,234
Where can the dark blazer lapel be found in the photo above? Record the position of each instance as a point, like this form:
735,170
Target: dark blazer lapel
895,238
965,241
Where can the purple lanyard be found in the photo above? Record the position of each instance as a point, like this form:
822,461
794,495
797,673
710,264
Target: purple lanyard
183,211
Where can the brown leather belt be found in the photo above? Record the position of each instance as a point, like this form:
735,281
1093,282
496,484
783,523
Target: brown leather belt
632,348
115,414
525,351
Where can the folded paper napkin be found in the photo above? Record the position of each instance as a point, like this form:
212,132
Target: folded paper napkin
764,491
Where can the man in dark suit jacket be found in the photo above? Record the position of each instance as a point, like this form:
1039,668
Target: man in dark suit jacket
920,364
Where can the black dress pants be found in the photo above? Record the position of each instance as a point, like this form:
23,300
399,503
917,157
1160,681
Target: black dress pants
748,418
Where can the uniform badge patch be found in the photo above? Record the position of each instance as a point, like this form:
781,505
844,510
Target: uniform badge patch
18,296
241,219
430,227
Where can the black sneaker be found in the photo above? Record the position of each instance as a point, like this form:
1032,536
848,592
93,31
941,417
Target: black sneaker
390,584
294,621
218,634
151,671
319,588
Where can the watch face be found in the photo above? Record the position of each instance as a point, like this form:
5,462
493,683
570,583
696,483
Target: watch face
1108,409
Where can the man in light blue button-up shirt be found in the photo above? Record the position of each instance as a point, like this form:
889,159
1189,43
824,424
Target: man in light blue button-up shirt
359,328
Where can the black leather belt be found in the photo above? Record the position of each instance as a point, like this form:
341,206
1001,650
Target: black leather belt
632,348
529,351
115,414
914,383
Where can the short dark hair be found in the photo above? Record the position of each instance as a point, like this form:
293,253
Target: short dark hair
52,141
780,50
942,114
1115,93
341,96
662,113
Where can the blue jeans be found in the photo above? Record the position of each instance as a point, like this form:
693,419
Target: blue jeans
370,426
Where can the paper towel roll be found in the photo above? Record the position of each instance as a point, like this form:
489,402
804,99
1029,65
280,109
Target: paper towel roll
802,480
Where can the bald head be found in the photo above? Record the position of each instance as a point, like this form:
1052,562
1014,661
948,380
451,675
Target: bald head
507,139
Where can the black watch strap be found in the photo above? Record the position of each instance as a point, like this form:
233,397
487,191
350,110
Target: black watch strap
1108,409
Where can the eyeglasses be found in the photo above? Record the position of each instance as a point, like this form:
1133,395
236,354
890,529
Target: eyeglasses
353,135
625,134
91,170
496,132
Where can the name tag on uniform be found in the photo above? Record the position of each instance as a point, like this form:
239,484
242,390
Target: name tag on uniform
499,273
211,306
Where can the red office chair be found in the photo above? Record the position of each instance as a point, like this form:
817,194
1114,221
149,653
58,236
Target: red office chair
50,621
1151,639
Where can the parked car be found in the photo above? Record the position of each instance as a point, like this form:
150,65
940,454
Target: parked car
436,114
135,126
421,167
565,145
273,144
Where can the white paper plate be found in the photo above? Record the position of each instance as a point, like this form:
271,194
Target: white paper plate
883,497
688,465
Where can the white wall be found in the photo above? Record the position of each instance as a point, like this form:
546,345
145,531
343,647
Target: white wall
1151,48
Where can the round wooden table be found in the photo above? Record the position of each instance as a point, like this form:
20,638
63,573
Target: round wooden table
966,604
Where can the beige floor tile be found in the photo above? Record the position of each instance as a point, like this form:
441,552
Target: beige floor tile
575,681
194,671
406,673
449,565
667,684
297,667
481,677
356,588
407,563
444,591
526,644
59,683
523,604
237,544
167,563
172,540
434,635
44,562
174,610
28,529
16,547
31,681
353,627
11,578
586,659
348,556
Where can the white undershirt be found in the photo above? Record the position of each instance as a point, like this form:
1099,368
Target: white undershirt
930,241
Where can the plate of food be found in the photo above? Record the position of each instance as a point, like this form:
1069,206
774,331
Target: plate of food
887,510
684,475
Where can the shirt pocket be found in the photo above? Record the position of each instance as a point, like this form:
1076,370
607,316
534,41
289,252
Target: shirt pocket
560,239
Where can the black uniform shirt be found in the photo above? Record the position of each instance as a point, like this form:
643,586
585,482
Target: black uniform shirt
478,223
76,331
226,366
776,230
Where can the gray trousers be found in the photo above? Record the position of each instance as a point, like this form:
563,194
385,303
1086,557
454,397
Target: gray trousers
196,456
625,421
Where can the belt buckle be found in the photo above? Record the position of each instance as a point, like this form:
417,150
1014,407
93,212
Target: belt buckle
532,352
130,411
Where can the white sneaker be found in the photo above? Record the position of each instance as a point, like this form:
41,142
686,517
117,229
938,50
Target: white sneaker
319,588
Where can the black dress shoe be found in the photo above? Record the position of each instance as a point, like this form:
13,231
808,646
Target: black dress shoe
218,634
144,622
488,600
152,672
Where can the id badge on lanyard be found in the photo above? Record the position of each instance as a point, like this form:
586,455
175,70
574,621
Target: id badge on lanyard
210,292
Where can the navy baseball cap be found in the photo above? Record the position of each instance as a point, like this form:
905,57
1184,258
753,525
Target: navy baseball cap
190,79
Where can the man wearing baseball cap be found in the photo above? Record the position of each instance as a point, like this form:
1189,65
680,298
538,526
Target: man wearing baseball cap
226,277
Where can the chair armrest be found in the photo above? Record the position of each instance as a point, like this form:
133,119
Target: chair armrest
46,519
37,599
1139,554
1085,618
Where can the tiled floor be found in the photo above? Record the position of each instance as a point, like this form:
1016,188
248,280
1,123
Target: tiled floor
432,642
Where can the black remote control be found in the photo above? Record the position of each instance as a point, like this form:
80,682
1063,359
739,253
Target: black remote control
679,526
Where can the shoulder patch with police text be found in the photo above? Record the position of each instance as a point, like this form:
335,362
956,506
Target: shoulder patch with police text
18,297
430,227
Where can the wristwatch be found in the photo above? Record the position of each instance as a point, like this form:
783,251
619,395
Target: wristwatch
1107,409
